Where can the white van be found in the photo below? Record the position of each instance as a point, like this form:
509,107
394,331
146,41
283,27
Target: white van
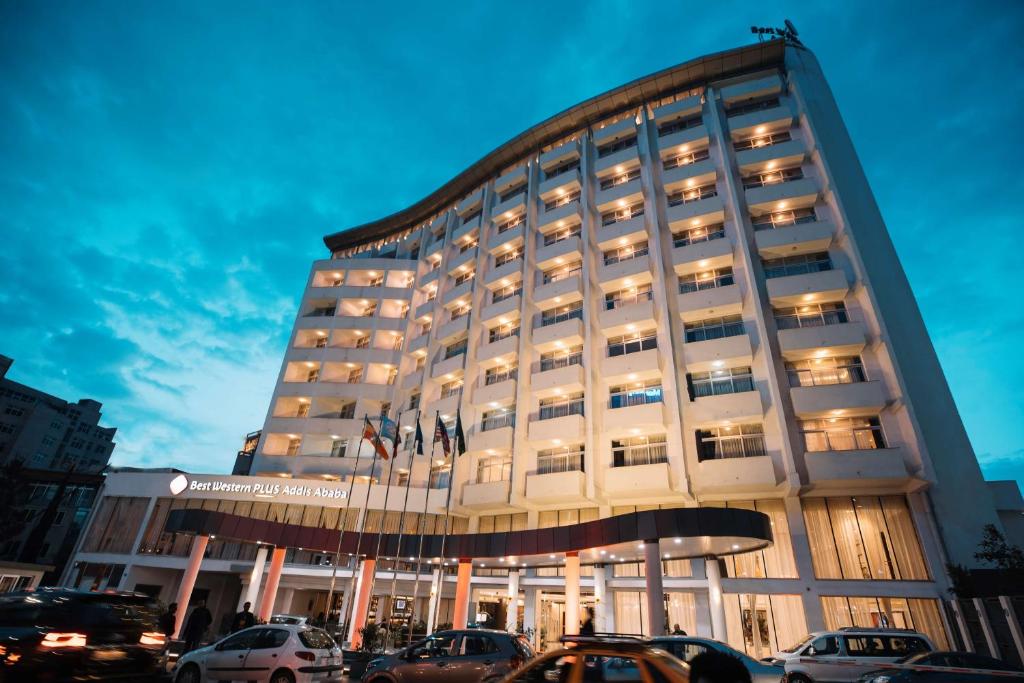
845,654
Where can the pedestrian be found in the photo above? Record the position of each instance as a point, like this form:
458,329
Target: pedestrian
196,624
587,629
168,620
243,619
676,631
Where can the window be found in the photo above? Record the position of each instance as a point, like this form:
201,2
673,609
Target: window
508,256
718,382
560,406
562,234
561,358
370,309
396,342
466,220
782,175
561,167
563,272
476,645
455,349
424,328
759,141
313,375
507,292
730,441
362,342
781,219
773,562
338,447
918,614
464,277
293,446
711,279
561,200
616,146
461,311
421,362
752,105
510,223
562,313
322,311
714,328
503,331
636,394
496,468
392,375
500,374
625,297
302,410
355,376
376,281
623,213
561,459
821,371
811,315
414,400
679,124
632,342
692,194
639,450
697,235
440,476
320,342
621,179
512,192
453,388
498,418
431,294
842,434
800,264
686,158
625,253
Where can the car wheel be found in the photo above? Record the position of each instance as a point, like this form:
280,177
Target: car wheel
282,676
188,674
799,678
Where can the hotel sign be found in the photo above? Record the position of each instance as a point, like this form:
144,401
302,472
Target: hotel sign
257,489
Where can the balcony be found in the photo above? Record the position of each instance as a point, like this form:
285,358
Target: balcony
567,333
511,271
486,496
555,156
506,307
505,241
632,230
627,317
517,176
841,339
638,481
628,192
795,193
569,249
457,292
566,291
701,256
453,328
710,303
548,433
711,410
556,487
682,108
761,159
469,203
448,367
856,398
563,183
459,233
449,404
459,263
700,212
774,118
624,157
502,393
418,342
412,380
735,475
639,365
793,290
803,238
683,141
702,356
689,175
649,418
423,310
879,468
429,277
623,128
613,277
491,441
491,354
759,87
564,380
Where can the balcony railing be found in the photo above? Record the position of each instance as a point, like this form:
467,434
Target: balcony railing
507,293
560,361
781,219
617,146
625,254
322,312
759,141
562,274
856,434
717,329
561,201
624,214
713,280
561,316
750,106
609,183
686,159
563,462
564,234
561,409
500,375
619,299
497,422
811,316
697,235
635,397
692,194
847,373
708,384
783,175
646,454
678,125
797,265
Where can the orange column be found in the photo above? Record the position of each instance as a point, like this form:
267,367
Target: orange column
273,581
362,606
460,616
188,580
572,594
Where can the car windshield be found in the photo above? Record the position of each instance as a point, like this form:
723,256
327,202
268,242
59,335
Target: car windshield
673,664
799,644
316,639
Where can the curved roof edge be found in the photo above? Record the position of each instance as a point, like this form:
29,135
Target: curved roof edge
688,74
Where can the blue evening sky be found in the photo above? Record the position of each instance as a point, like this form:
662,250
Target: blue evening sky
167,172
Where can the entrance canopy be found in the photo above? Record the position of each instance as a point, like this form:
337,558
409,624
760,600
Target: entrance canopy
683,533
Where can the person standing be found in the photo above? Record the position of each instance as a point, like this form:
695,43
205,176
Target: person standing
195,627
243,619
587,629
167,620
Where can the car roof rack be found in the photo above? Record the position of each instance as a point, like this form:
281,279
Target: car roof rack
877,629
606,638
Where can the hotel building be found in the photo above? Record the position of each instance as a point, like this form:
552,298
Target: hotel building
677,294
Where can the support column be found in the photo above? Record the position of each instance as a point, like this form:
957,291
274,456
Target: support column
530,614
460,616
715,598
655,588
986,627
252,591
1014,624
188,580
961,623
361,607
572,594
273,581
435,595
601,607
512,609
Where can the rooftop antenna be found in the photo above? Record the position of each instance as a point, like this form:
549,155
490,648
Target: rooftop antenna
789,33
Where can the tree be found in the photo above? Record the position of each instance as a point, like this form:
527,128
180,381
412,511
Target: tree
994,549
12,489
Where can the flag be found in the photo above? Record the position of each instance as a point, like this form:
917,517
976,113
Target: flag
389,431
441,434
460,436
418,439
370,433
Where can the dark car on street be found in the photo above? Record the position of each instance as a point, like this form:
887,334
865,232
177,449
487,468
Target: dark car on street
55,634
688,647
462,656
946,667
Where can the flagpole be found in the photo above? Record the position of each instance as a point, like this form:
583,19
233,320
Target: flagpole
401,532
422,527
447,515
341,535
387,493
350,609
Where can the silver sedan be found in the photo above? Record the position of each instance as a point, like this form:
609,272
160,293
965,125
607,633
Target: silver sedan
688,647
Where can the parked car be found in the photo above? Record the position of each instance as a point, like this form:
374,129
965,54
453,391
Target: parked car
603,659
293,619
271,653
688,647
55,634
945,667
846,654
462,656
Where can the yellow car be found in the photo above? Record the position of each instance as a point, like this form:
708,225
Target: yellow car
603,660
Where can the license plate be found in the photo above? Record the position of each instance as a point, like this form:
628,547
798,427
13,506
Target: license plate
109,655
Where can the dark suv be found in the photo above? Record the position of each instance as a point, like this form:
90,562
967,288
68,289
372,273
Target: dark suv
54,634
465,656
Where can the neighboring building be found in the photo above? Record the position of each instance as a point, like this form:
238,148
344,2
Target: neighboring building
679,293
53,453
243,459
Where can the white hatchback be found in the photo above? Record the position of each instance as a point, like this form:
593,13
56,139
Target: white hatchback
269,653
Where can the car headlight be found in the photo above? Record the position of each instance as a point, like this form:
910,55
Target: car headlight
884,678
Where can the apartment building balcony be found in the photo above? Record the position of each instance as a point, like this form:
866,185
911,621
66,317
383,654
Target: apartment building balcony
879,468
459,263
556,430
568,250
712,410
565,380
345,389
556,487
614,277
517,176
782,155
636,481
490,441
413,380
423,310
565,215
505,241
509,308
793,290
449,366
567,291
486,496
623,128
709,303
702,256
567,182
702,356
511,271
825,400
735,475
492,353
643,418
696,174
700,212
513,206
457,292
636,366
624,157
682,108
429,277
345,355
417,343
467,227
841,339
627,317
387,264
471,202
452,329
447,405
745,90
553,157
804,238
501,393
628,192
632,230
567,333
689,138
795,193
359,322
774,118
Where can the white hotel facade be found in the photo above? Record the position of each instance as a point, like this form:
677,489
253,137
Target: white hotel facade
680,293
